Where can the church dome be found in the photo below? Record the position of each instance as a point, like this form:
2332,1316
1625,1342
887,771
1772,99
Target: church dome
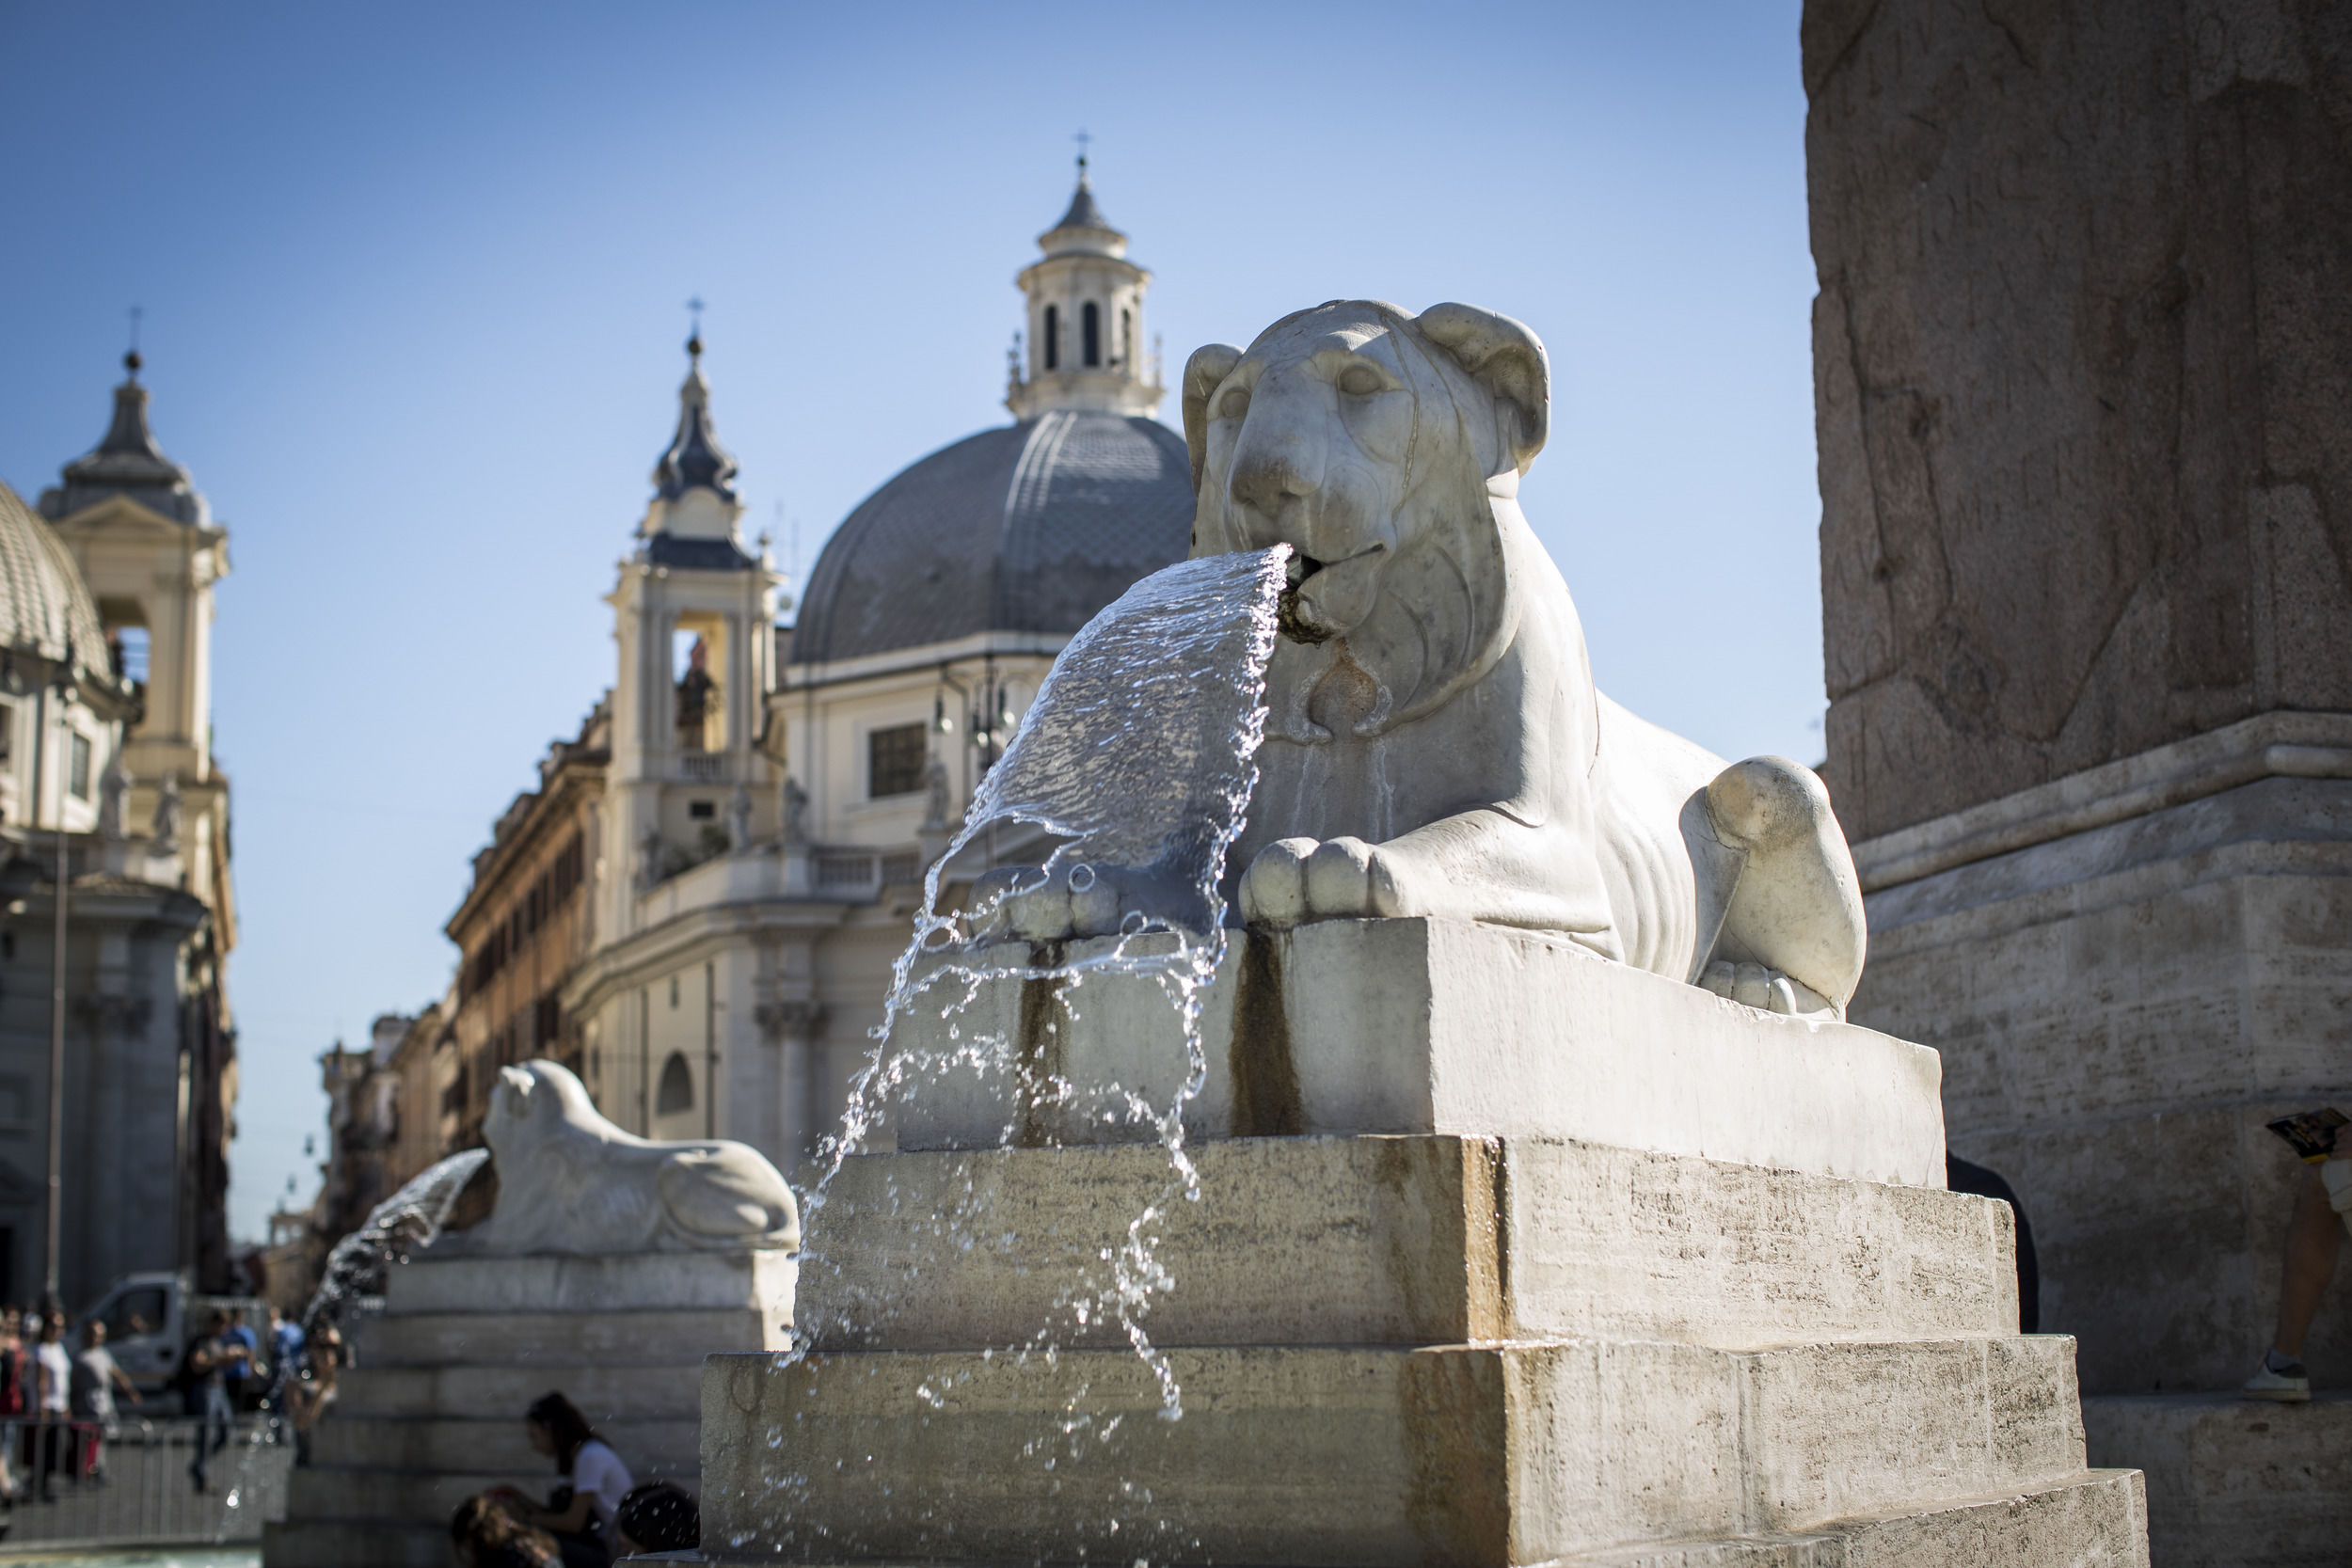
1030,528
44,605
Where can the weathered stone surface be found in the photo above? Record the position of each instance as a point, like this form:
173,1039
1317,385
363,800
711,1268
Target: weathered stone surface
1431,1027
1395,1240
432,1410
2120,1010
1508,1453
2231,1481
2083,366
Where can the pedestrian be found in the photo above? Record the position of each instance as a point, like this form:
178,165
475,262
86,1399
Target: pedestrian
91,1390
206,1365
12,1400
53,1371
237,1376
580,1515
285,1367
322,1362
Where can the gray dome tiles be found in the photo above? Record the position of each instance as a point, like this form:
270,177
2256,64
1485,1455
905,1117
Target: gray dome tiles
1030,528
43,602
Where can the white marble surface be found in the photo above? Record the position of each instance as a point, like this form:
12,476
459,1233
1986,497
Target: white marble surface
570,1181
1429,1026
1435,745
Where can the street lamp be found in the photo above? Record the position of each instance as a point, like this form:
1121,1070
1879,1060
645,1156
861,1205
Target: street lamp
63,687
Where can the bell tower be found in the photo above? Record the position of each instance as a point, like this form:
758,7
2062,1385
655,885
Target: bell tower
1086,349
695,616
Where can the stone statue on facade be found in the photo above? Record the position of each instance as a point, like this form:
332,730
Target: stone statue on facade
570,1181
649,856
739,820
114,786
935,802
1434,744
163,835
795,815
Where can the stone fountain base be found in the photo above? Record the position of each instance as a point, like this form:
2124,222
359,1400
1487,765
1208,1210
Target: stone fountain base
432,1409
1432,1345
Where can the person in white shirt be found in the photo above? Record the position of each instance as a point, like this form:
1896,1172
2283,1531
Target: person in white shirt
582,1525
54,1369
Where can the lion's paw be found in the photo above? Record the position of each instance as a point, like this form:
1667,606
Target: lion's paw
1767,989
1295,880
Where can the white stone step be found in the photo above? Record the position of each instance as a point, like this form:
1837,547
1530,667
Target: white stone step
366,1495
2235,1481
1513,1453
1419,1025
434,1443
2096,1519
647,1339
604,1394
658,1281
1399,1240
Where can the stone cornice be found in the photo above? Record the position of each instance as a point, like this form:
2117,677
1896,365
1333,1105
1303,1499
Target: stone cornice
2281,744
698,933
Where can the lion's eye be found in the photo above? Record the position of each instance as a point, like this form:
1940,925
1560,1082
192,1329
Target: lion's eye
1233,405
1360,380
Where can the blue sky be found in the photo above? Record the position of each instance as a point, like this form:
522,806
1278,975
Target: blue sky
414,278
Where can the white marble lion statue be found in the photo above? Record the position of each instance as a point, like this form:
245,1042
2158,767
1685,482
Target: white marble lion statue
1434,744
570,1181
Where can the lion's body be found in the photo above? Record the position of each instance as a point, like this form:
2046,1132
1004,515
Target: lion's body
570,1181
1434,742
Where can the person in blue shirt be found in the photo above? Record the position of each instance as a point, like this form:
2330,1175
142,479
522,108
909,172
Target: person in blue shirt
238,1372
285,1354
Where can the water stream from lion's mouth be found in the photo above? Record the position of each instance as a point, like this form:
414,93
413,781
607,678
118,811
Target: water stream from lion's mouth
1136,762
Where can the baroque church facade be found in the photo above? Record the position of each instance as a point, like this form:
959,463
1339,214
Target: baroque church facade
699,907
107,765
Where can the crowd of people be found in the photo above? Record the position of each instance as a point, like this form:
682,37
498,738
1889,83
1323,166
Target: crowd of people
596,1513
63,1396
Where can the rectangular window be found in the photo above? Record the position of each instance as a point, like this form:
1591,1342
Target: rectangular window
894,760
77,771
8,734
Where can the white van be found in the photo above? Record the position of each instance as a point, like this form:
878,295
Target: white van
150,1318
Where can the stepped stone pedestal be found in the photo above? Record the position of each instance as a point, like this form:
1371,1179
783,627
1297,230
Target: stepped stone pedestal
1606,1270
430,1411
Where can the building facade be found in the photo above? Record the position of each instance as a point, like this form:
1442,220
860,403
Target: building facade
105,626
760,880
2087,584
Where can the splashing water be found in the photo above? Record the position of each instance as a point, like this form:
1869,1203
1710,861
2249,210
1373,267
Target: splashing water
1140,757
402,1226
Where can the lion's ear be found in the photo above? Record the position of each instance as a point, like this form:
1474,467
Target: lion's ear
1204,372
1501,356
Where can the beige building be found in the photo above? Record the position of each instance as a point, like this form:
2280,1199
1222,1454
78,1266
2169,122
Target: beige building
775,792
105,720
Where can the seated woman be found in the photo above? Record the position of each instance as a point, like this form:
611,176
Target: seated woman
581,1515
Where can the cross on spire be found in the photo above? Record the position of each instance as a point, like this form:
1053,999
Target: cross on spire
131,360
1083,139
694,337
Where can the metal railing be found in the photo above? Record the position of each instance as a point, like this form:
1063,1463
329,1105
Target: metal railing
140,1489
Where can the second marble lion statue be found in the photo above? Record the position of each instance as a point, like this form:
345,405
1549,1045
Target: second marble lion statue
570,1181
1436,745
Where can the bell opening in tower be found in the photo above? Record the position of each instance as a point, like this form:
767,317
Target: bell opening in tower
1052,338
1090,334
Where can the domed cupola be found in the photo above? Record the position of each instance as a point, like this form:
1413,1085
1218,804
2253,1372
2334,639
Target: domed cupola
127,462
1085,340
694,517
1026,529
46,611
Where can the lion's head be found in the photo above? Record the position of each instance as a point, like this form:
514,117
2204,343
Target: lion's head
1375,443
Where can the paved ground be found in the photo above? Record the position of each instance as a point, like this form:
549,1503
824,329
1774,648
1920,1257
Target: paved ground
151,1497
